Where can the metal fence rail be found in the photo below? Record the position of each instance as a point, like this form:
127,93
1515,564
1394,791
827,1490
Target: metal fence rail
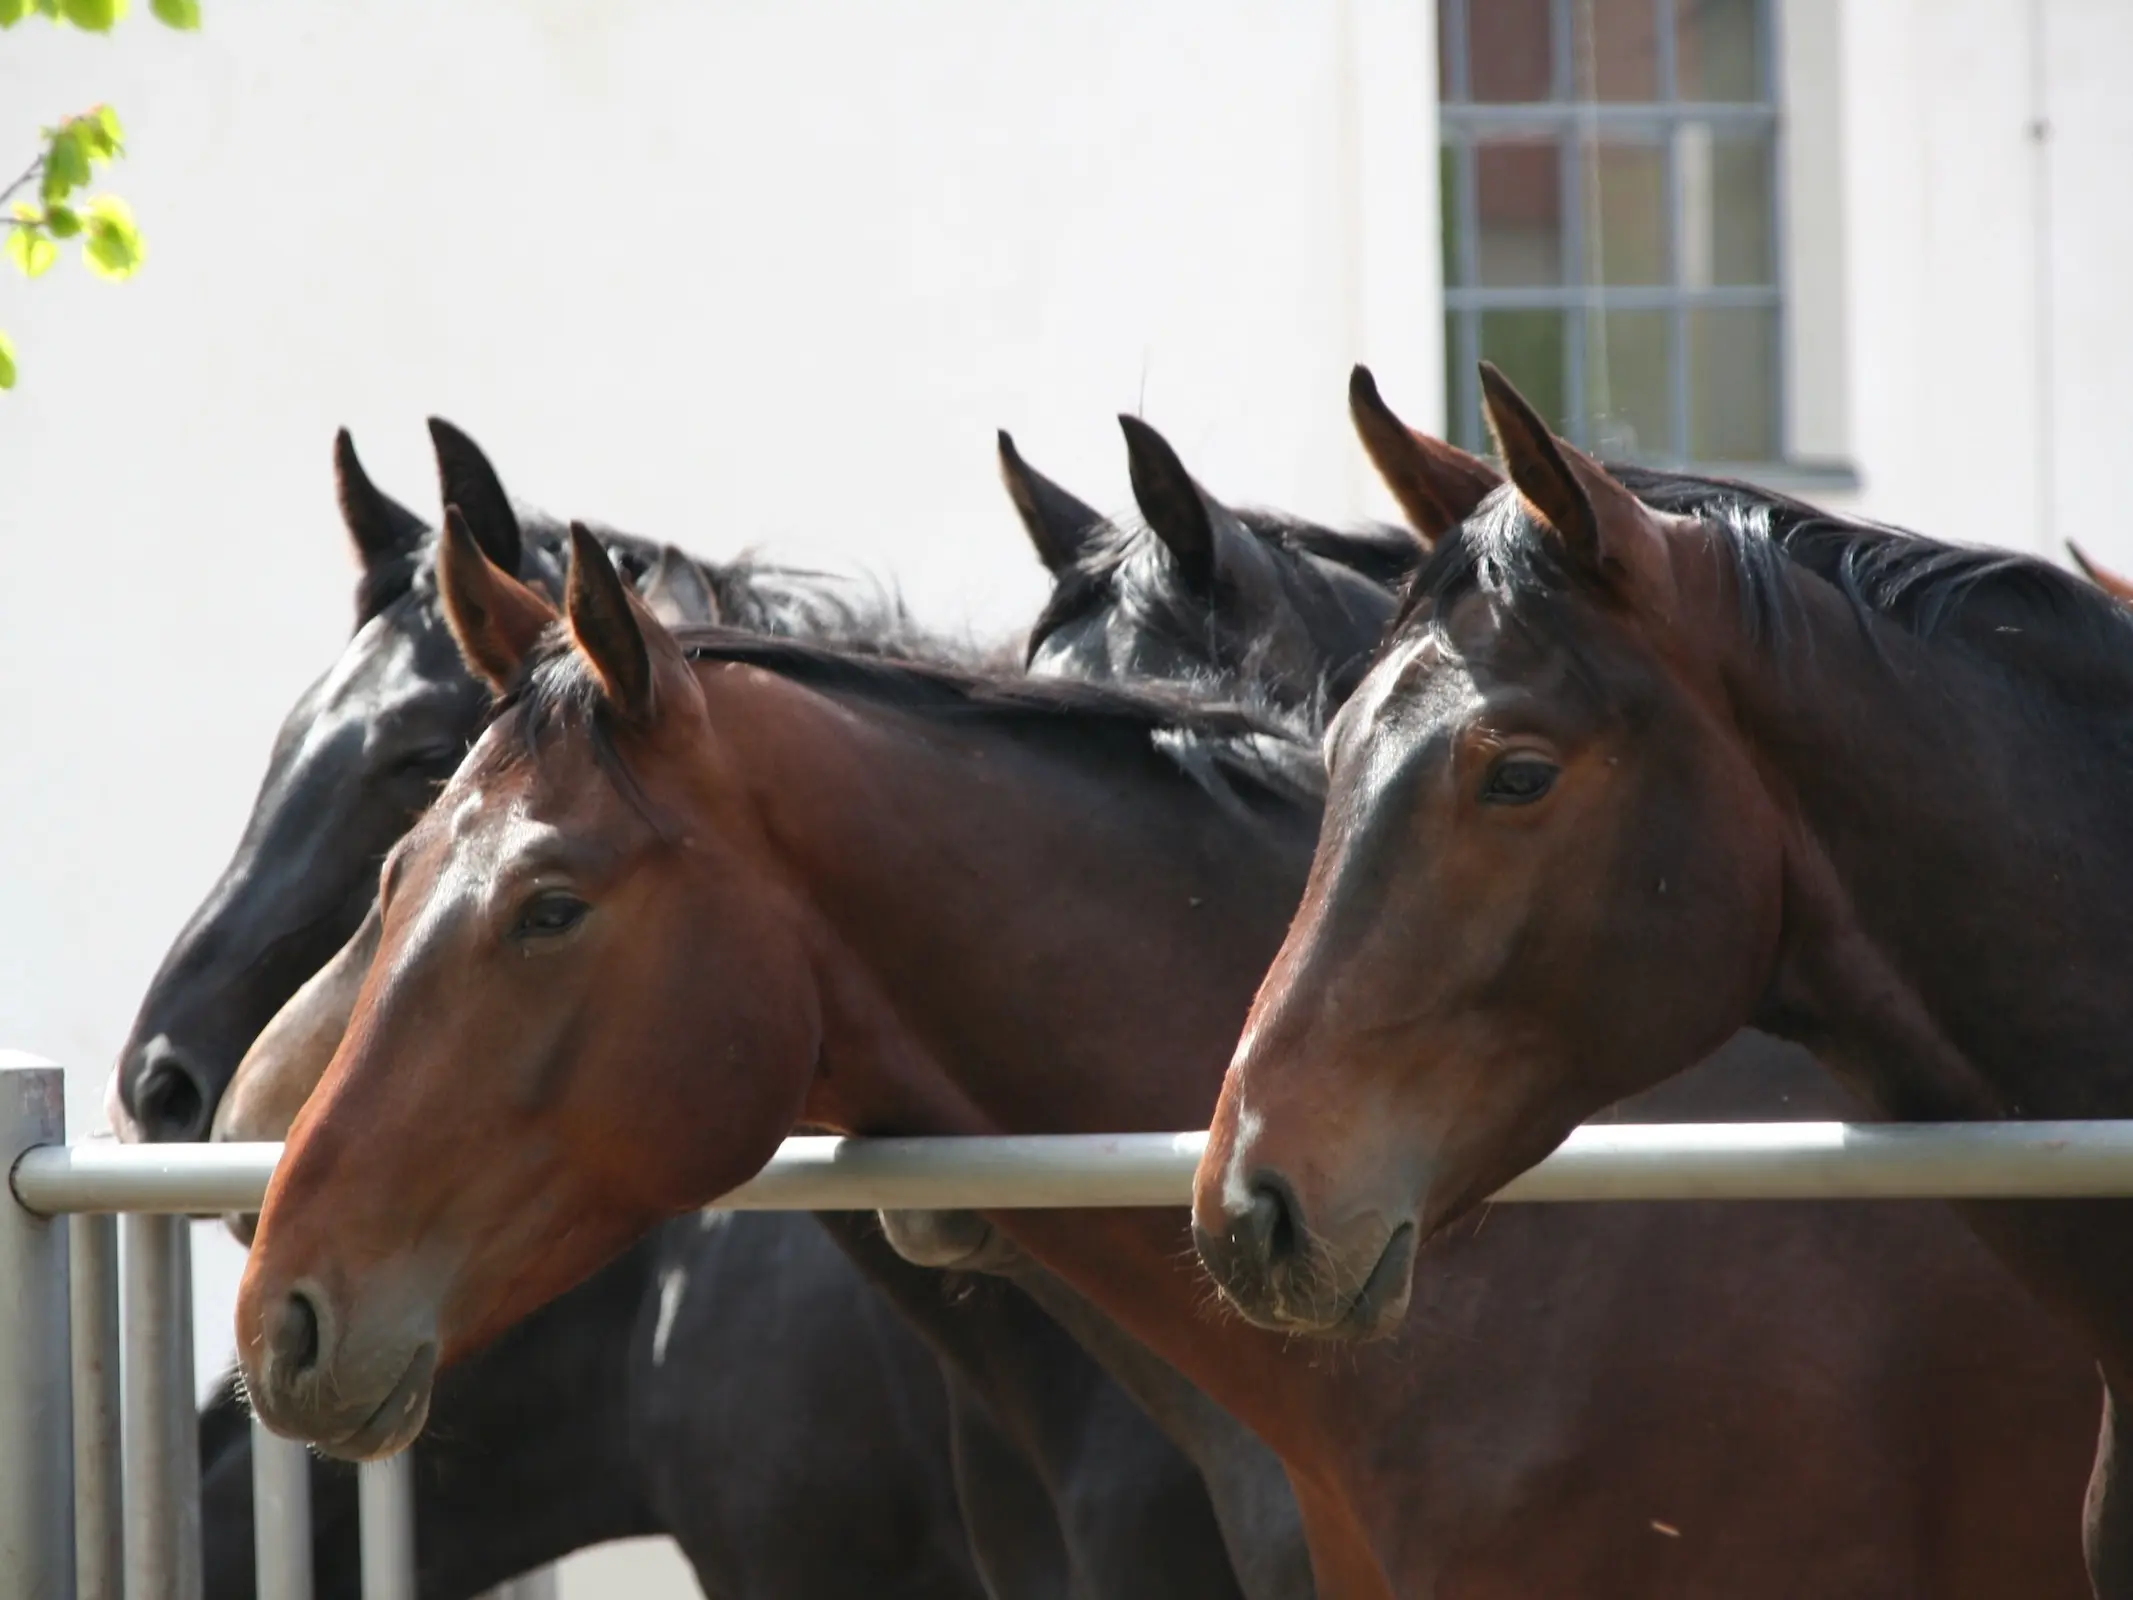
88,1505
1627,1161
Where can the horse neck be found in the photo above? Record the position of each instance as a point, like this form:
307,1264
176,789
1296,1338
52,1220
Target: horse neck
1022,938
1956,925
1063,931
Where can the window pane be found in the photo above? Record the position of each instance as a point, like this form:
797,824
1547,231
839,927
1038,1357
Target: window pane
1733,385
1518,195
1725,208
1718,49
1630,236
1739,214
1508,50
1619,58
1528,345
1628,362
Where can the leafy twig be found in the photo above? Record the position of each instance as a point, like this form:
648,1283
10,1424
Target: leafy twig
110,243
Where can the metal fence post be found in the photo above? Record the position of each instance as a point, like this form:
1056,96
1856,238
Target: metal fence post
385,1500
281,1515
185,1414
36,1413
161,1438
99,1549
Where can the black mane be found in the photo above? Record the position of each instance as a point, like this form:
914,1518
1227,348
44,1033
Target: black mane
752,594
1236,752
2002,606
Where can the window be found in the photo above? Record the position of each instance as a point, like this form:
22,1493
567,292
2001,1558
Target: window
1610,194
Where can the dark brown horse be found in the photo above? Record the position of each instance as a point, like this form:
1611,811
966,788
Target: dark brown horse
672,908
1633,772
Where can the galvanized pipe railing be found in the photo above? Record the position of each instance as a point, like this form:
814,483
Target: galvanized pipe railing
1625,1161
59,1428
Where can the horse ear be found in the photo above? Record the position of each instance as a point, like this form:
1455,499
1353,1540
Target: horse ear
378,525
466,480
1438,485
2103,577
1603,526
1188,520
605,629
495,618
676,591
1534,459
1058,524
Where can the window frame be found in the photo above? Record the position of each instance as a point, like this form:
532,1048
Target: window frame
1463,125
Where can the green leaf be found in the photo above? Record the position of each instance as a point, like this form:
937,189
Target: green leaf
66,163
62,222
98,131
94,16
111,244
31,251
7,363
12,12
181,14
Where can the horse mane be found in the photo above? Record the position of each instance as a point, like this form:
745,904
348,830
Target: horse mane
752,593
1237,752
2000,606
1120,562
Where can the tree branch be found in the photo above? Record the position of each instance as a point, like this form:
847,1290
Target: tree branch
29,176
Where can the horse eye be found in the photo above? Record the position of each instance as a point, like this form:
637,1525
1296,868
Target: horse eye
549,915
1518,780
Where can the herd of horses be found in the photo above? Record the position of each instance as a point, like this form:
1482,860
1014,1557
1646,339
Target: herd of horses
589,871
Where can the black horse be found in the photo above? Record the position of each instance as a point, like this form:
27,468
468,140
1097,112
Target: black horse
617,1412
1198,594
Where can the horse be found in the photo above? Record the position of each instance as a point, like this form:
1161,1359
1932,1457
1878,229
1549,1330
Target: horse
1637,768
1158,614
1195,593
1050,913
1102,1502
639,1405
2111,583
359,756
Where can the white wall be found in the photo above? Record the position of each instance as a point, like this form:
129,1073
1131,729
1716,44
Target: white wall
757,272
1989,349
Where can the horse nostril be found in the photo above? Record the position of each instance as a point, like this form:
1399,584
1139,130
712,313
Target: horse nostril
168,1101
1274,1221
294,1341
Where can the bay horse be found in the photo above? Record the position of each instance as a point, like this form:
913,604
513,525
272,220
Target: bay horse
1099,1501
361,753
1159,615
1635,769
1115,601
689,893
